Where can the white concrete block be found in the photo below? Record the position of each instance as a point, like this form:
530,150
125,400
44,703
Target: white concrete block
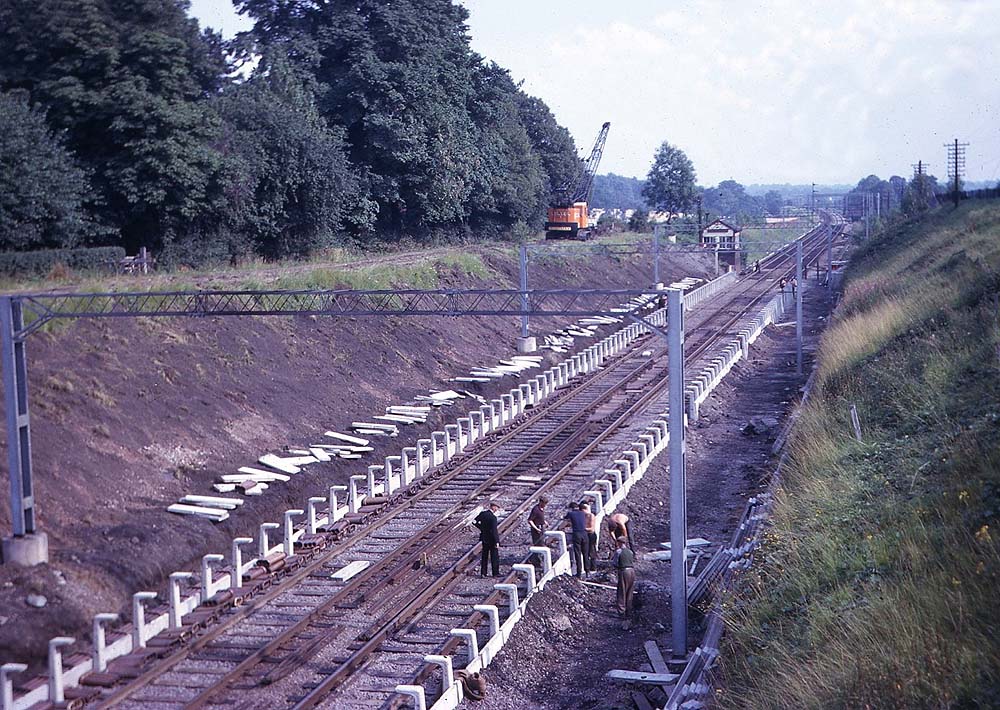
351,570
279,463
356,441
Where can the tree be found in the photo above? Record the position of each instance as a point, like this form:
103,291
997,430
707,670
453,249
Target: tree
552,143
639,221
397,77
127,81
444,140
288,185
773,202
920,194
509,184
42,190
618,192
670,182
730,199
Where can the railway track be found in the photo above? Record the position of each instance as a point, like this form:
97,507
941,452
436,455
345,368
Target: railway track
305,635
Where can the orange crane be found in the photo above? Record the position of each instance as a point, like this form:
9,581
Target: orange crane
567,217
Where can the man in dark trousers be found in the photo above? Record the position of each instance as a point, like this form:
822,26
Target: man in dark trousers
580,549
489,535
624,563
587,507
536,525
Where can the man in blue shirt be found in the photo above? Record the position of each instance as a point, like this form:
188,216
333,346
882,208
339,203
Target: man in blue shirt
580,549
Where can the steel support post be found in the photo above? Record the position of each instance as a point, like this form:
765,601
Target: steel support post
678,482
523,258
15,391
798,307
656,257
829,254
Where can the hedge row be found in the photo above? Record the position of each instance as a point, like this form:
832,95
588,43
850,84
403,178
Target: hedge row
40,263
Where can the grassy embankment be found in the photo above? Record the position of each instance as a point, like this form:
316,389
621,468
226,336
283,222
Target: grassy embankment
332,268
759,241
877,585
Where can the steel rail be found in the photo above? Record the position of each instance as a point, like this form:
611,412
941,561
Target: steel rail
410,499
393,506
402,559
418,604
452,645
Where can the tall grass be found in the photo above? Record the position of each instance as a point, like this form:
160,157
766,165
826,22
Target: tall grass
877,584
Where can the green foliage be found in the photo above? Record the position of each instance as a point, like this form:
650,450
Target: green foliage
364,121
124,80
773,202
288,185
552,143
617,192
639,222
42,190
510,185
876,585
670,184
40,263
920,194
444,140
730,200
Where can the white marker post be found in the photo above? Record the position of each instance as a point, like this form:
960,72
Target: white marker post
678,478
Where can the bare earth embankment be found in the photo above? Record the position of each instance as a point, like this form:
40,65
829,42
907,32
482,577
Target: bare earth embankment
129,415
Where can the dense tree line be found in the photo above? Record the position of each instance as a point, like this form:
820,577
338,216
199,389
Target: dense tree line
897,194
122,125
616,192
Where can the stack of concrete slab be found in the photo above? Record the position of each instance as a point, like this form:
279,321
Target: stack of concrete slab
512,367
375,429
212,508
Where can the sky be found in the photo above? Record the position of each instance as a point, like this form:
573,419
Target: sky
769,91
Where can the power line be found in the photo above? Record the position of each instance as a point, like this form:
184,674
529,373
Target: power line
956,165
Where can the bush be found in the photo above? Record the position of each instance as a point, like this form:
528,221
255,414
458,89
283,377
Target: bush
40,263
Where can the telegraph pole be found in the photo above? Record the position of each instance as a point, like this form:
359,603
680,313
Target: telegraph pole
812,204
956,165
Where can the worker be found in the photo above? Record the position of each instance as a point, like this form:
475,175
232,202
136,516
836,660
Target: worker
618,527
624,563
591,527
579,551
536,525
489,536
781,284
795,286
756,266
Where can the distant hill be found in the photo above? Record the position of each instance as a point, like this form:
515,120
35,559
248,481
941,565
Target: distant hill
617,192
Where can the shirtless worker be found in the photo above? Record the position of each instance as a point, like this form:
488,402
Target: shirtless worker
591,527
618,527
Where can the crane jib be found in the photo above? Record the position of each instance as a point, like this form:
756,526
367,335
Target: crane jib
568,213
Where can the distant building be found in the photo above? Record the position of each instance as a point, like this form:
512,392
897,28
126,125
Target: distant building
722,235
